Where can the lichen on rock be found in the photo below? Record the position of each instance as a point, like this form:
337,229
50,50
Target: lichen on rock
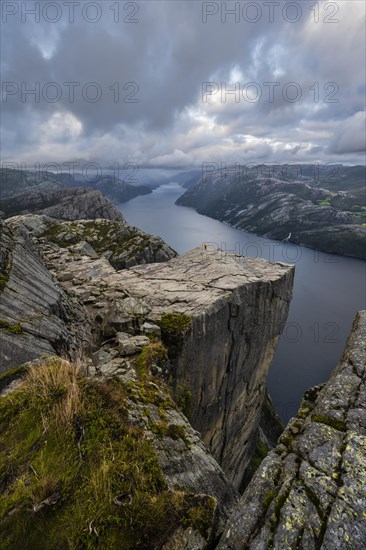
310,491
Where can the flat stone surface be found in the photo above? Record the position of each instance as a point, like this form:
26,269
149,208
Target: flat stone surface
238,308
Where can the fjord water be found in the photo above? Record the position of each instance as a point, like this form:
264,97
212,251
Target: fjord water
328,290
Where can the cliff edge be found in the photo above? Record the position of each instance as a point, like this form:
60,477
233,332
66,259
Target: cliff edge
220,317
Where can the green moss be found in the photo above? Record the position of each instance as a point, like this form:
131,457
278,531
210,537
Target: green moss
174,327
268,498
68,436
176,431
261,450
201,517
153,353
280,501
7,377
304,409
175,322
333,423
163,429
6,256
260,453
325,202
123,243
13,329
13,372
146,392
287,438
3,280
183,398
297,424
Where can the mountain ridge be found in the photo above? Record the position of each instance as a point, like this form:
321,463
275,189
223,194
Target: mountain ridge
297,212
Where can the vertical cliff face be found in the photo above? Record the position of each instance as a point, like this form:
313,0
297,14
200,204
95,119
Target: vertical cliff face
220,317
237,308
225,357
310,491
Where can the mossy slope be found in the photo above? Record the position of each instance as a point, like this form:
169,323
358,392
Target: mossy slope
76,474
120,242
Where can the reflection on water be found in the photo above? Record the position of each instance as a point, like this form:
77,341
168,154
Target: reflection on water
328,290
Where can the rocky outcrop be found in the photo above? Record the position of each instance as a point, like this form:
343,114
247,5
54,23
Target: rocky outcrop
225,315
124,447
63,204
238,308
310,491
296,210
37,316
168,349
186,463
123,245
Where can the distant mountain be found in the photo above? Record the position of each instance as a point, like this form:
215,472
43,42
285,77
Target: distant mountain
154,178
330,217
187,179
62,204
17,182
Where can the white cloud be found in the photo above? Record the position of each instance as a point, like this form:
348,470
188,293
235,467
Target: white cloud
350,135
177,159
169,54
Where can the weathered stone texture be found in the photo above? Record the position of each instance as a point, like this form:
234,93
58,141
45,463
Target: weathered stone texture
37,316
310,491
64,204
238,308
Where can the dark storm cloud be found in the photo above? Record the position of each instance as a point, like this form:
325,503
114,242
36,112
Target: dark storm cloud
166,57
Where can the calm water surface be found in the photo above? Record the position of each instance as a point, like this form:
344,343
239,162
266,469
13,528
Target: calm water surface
328,290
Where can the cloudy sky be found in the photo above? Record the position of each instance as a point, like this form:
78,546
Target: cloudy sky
149,82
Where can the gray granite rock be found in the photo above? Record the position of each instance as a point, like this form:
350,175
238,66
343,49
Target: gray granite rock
121,244
151,328
237,306
310,491
185,461
38,317
64,204
128,345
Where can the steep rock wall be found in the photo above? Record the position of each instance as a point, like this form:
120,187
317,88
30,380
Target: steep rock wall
37,317
310,491
225,360
237,308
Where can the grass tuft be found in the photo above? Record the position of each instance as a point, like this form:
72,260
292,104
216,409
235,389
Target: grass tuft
76,474
13,329
174,327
